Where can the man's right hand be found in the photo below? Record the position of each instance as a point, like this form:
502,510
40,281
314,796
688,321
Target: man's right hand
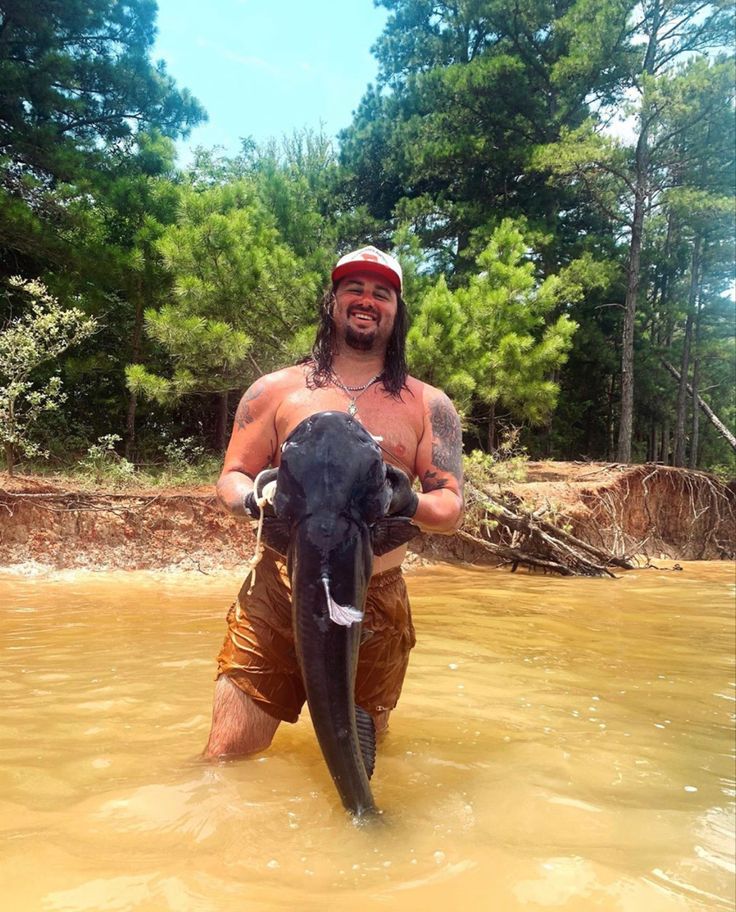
259,492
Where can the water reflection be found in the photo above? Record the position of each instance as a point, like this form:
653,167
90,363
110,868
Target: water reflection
560,744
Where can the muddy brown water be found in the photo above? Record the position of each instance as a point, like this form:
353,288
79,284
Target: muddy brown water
560,744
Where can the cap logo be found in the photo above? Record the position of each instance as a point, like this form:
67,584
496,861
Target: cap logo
385,265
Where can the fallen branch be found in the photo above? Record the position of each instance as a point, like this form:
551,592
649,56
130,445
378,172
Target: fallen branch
536,542
514,555
708,411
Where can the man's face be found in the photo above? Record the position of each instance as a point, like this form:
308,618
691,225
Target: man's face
365,310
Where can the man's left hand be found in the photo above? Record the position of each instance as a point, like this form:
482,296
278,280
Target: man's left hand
404,501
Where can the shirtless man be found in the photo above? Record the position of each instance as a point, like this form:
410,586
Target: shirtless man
358,366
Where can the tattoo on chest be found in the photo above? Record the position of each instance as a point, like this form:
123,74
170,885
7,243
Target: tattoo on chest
446,438
243,415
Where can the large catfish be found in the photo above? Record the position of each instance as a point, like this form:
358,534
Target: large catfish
332,498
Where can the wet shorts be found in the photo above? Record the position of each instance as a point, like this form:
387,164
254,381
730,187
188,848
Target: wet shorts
259,657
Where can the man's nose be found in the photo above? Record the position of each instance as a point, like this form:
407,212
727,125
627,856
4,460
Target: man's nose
367,300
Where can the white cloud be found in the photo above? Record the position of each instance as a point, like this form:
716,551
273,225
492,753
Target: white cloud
246,60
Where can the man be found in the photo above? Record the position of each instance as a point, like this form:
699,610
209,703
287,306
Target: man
358,365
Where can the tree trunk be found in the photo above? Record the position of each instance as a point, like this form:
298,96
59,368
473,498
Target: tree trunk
9,458
681,413
626,418
610,421
492,428
664,452
665,282
222,421
685,363
135,354
130,426
652,444
641,188
695,435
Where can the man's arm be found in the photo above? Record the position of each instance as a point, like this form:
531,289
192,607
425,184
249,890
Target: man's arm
439,466
252,445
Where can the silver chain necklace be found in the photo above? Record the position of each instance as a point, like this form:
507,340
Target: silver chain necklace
348,390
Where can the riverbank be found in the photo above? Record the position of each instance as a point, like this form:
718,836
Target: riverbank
652,511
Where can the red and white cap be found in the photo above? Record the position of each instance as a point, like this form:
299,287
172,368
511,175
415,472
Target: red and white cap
369,259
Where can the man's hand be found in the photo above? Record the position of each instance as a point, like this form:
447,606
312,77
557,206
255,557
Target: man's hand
264,490
404,501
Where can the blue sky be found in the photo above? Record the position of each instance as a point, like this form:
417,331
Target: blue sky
264,69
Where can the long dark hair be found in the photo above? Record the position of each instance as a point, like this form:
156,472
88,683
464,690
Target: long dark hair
395,370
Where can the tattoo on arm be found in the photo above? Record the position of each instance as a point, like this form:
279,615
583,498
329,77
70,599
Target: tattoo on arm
430,481
243,415
446,438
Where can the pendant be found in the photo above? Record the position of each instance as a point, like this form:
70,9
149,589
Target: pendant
352,409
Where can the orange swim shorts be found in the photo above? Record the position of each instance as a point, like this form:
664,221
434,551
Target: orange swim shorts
259,657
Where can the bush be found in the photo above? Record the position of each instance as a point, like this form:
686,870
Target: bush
103,465
486,471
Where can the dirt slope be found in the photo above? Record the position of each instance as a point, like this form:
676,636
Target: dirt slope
652,510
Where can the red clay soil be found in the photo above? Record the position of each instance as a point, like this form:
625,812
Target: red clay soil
54,525
650,510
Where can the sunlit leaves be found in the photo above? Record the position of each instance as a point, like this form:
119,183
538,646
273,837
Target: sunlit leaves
43,333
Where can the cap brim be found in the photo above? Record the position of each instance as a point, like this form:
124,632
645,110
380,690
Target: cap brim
378,268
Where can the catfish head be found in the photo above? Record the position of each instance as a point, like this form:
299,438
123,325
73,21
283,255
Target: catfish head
334,489
333,493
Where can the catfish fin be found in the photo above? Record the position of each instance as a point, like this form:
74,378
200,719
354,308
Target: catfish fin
390,532
276,534
367,738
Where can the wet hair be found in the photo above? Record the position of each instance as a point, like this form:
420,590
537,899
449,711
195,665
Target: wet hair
395,370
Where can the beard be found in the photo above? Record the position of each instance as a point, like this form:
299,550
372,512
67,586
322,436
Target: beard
358,340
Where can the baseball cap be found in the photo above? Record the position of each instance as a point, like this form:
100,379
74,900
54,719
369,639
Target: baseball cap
369,259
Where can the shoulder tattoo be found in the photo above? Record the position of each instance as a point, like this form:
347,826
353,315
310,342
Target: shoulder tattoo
243,415
447,440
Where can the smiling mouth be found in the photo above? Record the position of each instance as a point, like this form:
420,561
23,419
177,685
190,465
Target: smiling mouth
363,317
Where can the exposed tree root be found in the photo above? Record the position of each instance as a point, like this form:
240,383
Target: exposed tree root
661,511
630,513
519,536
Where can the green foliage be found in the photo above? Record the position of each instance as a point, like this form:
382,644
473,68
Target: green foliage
77,88
514,314
465,94
103,465
76,74
442,348
483,157
26,343
507,465
208,356
487,475
500,338
240,294
185,464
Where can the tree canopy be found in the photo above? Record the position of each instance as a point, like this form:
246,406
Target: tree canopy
557,179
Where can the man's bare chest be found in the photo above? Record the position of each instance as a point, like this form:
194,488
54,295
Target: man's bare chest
397,423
